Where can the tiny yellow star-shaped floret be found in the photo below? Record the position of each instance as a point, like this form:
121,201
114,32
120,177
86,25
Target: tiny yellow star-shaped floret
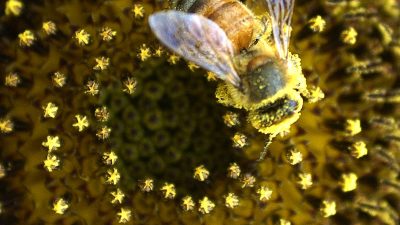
173,59
187,203
248,180
315,94
2,174
26,38
81,122
305,180
52,143
168,190
349,36
284,222
51,163
231,119
102,114
206,205
50,110
113,176
109,158
201,173
92,88
317,24
353,126
102,63
118,196
49,27
130,85
264,193
107,34
146,185
349,182
211,76
103,133
124,215
328,208
239,140
60,206
6,125
58,79
231,200
138,10
359,149
234,171
158,52
192,66
12,80
295,157
144,52
13,7
82,37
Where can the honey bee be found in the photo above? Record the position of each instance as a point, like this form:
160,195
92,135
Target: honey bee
223,36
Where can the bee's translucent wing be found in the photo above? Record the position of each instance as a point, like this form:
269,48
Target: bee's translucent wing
197,39
281,12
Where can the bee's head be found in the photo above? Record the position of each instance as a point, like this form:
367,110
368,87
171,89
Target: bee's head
265,77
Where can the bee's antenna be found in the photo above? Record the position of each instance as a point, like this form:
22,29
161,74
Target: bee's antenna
265,149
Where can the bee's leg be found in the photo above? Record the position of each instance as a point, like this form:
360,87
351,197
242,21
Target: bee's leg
265,149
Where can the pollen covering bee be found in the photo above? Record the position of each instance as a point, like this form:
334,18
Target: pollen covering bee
223,36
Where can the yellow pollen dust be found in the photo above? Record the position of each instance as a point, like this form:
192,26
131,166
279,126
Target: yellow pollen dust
13,7
317,24
49,27
295,157
51,163
146,185
305,180
58,79
60,206
103,133
187,203
92,88
50,110
118,196
81,122
201,173
231,200
113,176
107,34
349,182
26,38
82,37
124,215
130,85
173,59
328,208
359,149
349,36
144,53
109,158
6,126
248,181
239,140
168,190
353,127
206,205
234,171
264,193
102,63
138,11
12,80
192,66
52,143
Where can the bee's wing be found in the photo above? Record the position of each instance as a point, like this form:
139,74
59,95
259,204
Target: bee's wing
197,39
281,12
